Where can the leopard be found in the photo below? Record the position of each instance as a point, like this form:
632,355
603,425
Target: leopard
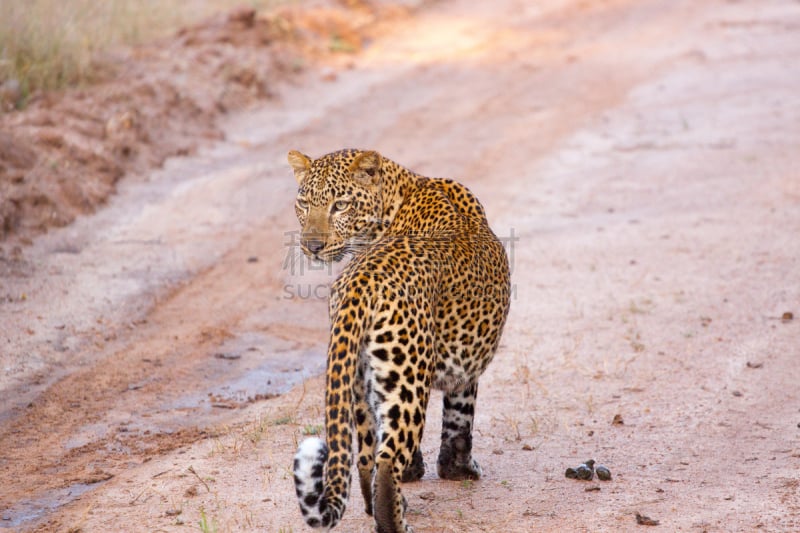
420,305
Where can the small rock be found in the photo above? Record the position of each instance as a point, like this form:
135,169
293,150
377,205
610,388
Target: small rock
582,472
645,520
737,393
592,488
617,421
603,473
787,316
228,356
754,365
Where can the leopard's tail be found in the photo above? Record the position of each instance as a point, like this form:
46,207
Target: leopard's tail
322,469
308,482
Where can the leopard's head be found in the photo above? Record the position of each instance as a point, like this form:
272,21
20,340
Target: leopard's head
339,202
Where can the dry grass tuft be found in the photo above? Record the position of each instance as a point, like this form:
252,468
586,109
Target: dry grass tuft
51,44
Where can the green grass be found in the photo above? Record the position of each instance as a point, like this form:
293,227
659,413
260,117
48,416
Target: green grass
205,525
313,429
51,44
282,421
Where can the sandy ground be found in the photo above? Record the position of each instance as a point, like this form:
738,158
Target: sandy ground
640,157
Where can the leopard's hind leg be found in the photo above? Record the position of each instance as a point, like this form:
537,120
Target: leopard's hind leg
455,454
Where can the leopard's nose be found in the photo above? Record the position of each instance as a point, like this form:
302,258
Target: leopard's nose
314,245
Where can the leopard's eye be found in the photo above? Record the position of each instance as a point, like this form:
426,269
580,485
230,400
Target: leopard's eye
301,203
340,205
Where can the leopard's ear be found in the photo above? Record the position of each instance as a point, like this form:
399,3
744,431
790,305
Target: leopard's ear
300,163
366,167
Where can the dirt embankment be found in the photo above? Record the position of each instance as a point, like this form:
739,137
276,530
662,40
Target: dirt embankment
63,155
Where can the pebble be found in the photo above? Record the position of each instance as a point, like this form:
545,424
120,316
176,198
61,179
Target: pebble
603,473
586,471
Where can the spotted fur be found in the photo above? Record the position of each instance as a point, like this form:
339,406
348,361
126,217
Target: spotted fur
422,304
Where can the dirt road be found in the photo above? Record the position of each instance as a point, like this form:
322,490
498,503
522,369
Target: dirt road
641,159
